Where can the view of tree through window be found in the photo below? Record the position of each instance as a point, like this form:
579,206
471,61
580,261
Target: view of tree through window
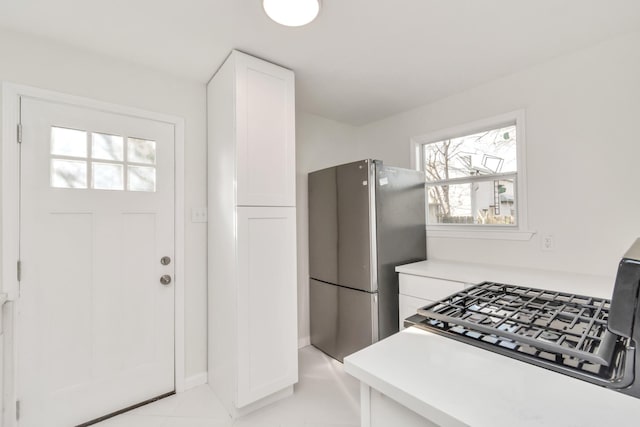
471,179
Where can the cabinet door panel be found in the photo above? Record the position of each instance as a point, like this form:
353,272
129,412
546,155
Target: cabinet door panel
265,133
267,316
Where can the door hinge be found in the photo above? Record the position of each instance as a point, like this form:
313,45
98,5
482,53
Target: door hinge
19,270
19,133
17,409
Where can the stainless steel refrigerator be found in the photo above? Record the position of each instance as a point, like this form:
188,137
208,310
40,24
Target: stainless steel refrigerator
364,219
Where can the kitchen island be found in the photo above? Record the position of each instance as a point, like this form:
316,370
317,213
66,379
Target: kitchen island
418,378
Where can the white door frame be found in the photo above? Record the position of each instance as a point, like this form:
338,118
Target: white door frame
10,197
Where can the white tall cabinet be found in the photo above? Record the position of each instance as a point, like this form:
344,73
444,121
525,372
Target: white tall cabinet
253,357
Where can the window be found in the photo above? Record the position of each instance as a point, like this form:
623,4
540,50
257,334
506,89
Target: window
475,175
81,159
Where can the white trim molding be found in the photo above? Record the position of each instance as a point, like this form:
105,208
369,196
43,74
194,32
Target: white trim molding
482,234
11,96
520,231
304,342
195,380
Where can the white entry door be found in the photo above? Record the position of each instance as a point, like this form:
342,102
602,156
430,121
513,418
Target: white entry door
95,323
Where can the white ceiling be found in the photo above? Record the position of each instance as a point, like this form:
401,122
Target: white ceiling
360,61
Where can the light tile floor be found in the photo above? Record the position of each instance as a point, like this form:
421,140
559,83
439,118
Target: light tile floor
325,396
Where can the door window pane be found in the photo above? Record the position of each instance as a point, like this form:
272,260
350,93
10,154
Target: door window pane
141,151
68,142
141,178
107,176
112,164
68,173
107,147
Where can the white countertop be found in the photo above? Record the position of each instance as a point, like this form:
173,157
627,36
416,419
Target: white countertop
583,284
456,384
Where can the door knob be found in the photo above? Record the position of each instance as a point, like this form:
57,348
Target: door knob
165,279
165,260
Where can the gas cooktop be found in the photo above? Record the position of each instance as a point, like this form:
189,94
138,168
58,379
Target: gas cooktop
560,331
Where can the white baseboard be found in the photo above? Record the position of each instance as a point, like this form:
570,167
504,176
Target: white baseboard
195,380
304,342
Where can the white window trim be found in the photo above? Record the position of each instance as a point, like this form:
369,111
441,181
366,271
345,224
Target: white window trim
468,231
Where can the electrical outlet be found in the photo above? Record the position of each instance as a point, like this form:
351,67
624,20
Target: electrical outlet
547,243
199,215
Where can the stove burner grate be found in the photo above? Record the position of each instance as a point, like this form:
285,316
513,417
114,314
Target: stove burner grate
553,322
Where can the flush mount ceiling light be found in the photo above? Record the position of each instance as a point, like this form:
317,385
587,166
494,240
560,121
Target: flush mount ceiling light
292,13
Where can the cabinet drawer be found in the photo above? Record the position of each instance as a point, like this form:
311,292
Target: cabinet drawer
427,287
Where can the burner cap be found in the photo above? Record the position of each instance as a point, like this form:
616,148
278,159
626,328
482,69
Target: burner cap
480,318
510,300
549,336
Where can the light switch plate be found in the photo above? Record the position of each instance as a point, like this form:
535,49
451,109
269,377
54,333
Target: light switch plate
199,215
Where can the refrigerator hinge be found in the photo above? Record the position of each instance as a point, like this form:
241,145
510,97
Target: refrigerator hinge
19,133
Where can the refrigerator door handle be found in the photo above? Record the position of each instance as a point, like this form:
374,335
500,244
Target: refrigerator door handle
373,232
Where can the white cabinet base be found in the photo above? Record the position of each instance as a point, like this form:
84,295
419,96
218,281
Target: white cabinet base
272,398
379,410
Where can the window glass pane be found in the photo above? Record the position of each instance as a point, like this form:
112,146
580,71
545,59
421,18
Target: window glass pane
68,173
106,147
483,153
107,176
480,202
68,142
141,178
141,151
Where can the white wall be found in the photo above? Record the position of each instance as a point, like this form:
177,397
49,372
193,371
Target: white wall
43,64
320,143
583,153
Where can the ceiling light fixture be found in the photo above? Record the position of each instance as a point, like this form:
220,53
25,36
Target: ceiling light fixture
292,13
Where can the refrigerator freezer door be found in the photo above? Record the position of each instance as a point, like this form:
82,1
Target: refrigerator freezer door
343,320
401,239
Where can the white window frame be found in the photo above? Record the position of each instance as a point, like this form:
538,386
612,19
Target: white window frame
520,230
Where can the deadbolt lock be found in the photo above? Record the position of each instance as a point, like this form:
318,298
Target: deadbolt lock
165,260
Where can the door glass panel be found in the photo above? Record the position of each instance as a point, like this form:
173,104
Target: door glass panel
68,173
109,161
107,176
107,147
141,178
68,142
141,151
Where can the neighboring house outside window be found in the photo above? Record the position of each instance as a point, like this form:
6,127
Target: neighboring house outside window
475,178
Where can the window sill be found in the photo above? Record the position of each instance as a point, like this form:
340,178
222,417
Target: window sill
480,234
